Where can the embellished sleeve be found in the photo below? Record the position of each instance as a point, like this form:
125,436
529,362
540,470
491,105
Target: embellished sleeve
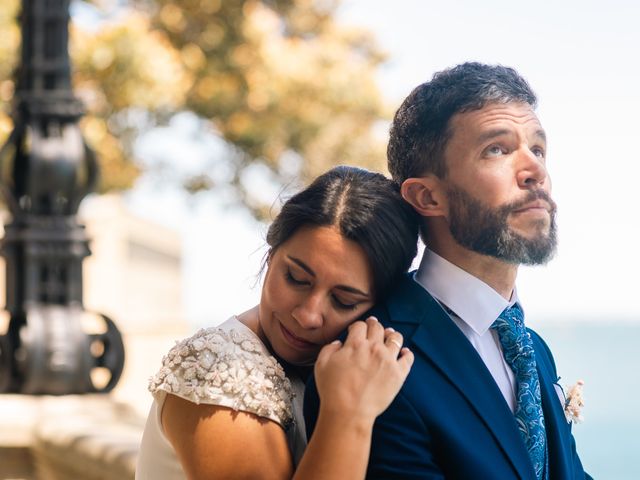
228,368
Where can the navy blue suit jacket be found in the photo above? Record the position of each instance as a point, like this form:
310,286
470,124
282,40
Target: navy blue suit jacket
450,420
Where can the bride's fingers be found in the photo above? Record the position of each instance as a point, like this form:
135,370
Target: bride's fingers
328,350
375,331
393,340
405,360
357,333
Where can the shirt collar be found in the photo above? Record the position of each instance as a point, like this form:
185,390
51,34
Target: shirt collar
475,302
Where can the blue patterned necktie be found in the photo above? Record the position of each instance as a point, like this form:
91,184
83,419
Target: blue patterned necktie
517,348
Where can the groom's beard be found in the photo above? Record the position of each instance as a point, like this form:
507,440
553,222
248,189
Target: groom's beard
485,230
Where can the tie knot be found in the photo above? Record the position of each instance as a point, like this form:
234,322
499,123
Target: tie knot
511,317
514,338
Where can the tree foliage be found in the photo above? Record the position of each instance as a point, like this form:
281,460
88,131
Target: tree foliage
276,79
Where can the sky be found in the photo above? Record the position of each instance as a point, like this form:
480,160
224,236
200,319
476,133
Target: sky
582,60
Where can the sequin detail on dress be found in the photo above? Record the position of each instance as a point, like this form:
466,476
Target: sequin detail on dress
227,368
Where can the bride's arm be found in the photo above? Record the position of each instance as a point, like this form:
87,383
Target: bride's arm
356,383
217,442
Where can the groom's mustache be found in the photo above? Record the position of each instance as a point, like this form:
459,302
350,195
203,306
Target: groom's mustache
530,197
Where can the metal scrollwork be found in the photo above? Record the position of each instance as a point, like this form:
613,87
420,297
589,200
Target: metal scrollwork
46,169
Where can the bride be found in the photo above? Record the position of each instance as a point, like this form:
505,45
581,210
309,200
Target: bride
228,400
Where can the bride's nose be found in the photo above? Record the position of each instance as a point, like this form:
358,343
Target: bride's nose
308,311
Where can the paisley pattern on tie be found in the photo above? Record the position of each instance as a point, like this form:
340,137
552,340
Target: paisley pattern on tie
518,352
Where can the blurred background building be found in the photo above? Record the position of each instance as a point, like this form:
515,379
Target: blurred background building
134,275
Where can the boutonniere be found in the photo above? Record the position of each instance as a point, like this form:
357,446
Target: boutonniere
574,402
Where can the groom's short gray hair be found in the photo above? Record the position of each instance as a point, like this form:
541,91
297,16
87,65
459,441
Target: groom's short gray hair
420,129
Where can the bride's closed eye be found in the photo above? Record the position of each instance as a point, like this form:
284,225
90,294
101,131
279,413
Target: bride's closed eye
342,304
291,278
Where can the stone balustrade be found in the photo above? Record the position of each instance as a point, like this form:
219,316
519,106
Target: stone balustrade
79,437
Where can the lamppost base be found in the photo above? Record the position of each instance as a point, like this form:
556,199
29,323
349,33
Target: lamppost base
47,351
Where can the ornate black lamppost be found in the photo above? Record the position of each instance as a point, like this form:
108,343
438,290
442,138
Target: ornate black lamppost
45,170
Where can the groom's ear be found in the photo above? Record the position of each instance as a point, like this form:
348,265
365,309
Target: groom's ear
426,195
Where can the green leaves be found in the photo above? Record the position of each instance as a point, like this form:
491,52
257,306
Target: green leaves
272,77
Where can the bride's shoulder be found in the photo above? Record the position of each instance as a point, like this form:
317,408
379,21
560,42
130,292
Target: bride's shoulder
228,366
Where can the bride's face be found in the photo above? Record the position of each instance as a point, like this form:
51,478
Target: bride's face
316,284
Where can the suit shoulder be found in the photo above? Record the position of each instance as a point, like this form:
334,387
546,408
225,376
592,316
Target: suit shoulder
408,301
380,310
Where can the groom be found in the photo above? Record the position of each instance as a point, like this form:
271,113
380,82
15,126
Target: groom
481,401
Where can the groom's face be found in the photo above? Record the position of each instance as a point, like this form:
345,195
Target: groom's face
497,184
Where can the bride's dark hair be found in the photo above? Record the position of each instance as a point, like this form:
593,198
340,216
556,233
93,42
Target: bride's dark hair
367,208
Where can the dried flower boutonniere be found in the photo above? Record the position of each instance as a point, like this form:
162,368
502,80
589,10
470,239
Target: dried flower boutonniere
574,403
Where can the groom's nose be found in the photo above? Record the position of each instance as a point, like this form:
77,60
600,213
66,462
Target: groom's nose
308,312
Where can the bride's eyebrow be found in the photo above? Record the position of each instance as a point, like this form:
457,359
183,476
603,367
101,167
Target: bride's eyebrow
302,265
349,289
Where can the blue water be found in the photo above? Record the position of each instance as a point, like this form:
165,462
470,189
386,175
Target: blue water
605,356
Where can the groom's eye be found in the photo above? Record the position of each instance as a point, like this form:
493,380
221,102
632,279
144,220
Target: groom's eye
495,150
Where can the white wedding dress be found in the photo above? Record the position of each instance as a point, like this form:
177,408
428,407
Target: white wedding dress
228,366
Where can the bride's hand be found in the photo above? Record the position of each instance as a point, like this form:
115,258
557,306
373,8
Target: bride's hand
362,376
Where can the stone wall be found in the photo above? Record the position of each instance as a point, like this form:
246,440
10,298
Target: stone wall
79,437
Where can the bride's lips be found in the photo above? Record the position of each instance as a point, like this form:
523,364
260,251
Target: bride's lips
296,342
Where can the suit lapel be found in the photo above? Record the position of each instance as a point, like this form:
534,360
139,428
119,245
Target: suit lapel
555,421
443,344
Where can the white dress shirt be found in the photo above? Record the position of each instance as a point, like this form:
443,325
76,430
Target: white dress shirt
474,306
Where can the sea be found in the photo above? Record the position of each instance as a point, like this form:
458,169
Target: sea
605,355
